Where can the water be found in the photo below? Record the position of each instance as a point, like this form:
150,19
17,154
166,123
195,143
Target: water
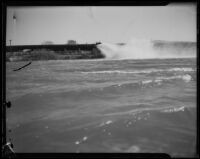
141,106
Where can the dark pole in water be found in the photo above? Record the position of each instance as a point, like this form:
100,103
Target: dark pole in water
10,42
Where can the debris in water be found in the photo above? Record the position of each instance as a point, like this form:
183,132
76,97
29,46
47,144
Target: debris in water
77,142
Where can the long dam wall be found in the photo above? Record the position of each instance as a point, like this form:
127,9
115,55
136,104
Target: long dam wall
52,52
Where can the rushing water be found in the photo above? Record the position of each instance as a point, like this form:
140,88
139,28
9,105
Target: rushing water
103,106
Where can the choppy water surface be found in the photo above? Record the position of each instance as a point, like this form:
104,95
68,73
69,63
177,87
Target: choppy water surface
103,106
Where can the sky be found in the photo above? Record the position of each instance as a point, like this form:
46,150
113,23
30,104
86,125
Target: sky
117,24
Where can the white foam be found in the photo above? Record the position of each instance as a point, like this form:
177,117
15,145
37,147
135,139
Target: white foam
169,110
106,123
187,78
85,138
158,80
147,81
109,122
82,140
129,123
133,148
138,48
184,69
135,49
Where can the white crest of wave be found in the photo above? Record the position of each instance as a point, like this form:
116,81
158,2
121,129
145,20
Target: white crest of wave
184,69
169,110
186,78
139,49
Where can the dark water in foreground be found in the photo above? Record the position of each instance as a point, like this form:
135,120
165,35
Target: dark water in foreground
103,106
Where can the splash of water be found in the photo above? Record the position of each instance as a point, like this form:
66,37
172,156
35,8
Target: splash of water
146,49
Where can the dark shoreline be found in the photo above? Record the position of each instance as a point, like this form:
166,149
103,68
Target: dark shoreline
52,52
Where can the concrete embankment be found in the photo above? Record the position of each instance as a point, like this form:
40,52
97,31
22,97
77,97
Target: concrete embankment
52,52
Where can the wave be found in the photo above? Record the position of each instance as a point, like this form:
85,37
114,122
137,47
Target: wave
185,69
144,113
147,49
110,91
157,81
150,82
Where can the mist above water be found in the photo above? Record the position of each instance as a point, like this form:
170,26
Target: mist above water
148,49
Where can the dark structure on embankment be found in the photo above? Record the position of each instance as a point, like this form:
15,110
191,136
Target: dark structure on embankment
17,48
52,52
